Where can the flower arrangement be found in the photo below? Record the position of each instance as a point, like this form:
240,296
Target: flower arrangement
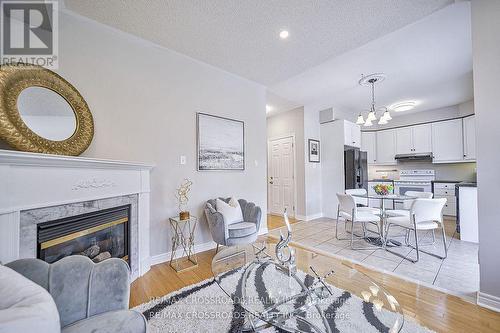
382,189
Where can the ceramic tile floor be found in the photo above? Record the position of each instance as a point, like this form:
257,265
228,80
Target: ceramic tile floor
458,273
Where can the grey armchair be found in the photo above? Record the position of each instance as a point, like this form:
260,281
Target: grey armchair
89,297
243,232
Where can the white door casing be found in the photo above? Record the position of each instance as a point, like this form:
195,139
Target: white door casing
281,176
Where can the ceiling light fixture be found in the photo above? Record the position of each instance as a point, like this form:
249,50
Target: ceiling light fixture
269,108
370,80
284,34
360,120
403,106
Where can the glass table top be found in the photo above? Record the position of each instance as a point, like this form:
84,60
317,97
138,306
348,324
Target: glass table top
387,196
324,295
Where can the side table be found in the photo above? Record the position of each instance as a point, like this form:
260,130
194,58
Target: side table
183,237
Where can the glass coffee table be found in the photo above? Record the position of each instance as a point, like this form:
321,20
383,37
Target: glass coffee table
324,295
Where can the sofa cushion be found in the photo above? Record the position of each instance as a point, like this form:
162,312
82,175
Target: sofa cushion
241,229
231,211
25,306
121,321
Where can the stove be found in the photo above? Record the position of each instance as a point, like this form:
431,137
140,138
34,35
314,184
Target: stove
413,180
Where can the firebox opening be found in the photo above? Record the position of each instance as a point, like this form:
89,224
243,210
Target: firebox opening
98,235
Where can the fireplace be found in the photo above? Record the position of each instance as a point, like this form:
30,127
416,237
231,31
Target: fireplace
98,235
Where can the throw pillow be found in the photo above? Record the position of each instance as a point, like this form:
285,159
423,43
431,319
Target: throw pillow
230,211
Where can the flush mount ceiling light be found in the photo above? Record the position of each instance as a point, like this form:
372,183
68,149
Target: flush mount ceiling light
269,108
284,34
370,80
403,106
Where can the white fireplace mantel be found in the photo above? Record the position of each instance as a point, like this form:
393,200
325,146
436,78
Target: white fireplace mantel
31,180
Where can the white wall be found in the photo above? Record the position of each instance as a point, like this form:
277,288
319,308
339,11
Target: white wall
285,124
312,170
332,166
486,68
144,101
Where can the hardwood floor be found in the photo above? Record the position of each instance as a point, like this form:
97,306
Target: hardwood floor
431,308
274,221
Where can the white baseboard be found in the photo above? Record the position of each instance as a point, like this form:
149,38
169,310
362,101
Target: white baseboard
164,257
308,217
488,301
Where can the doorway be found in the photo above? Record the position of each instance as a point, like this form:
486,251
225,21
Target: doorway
281,176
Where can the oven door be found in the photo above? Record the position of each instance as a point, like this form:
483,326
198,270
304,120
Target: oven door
402,188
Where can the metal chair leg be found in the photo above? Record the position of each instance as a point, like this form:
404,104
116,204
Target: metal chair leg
217,249
444,245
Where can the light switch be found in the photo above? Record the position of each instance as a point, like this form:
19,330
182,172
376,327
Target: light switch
183,159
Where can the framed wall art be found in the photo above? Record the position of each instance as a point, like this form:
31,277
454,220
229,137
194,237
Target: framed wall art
221,143
314,151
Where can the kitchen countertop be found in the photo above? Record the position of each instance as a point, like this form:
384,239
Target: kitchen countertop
466,184
381,180
446,181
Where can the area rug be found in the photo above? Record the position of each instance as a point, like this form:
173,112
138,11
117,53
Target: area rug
204,307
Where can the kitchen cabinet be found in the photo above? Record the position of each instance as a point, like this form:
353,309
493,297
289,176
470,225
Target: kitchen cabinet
414,139
469,129
447,141
404,141
386,147
369,144
352,134
422,138
447,190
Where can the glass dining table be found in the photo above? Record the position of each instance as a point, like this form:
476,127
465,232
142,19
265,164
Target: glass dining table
381,239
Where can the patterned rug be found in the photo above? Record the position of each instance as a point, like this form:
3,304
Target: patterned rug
204,307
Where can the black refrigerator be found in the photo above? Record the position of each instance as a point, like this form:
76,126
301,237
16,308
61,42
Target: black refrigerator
356,169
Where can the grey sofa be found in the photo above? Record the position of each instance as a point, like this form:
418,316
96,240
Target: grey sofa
89,297
243,232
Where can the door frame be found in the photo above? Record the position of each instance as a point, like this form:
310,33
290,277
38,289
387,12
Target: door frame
269,140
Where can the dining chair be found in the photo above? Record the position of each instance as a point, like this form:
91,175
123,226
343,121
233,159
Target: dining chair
425,214
407,203
362,203
348,210
406,212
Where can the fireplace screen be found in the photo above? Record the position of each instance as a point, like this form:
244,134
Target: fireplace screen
98,235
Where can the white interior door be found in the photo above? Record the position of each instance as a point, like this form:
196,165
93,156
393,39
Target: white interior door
281,186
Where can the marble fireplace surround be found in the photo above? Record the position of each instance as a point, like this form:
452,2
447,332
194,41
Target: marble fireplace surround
36,188
30,218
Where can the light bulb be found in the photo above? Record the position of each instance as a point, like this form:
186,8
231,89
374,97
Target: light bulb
360,120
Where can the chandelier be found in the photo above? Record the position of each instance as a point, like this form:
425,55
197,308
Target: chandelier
370,80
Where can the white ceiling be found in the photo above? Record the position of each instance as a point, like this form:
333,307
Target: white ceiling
429,61
241,36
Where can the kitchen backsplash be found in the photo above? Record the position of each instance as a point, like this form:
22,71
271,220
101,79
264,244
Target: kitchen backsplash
455,171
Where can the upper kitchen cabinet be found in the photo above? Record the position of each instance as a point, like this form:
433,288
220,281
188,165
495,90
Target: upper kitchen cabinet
352,134
369,144
422,138
447,141
386,146
414,139
469,128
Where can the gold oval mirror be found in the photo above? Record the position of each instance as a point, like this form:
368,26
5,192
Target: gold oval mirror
41,112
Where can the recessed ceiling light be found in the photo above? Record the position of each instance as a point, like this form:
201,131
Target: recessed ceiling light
284,34
403,106
269,108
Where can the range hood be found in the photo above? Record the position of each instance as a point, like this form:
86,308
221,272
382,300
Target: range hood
414,157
